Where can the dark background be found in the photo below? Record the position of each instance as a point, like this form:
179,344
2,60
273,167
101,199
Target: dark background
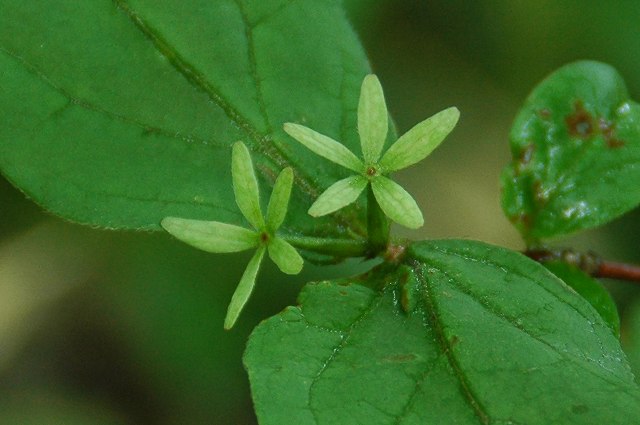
104,327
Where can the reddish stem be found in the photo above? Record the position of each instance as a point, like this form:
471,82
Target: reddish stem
622,271
589,263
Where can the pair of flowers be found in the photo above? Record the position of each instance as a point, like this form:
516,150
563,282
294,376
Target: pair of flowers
372,170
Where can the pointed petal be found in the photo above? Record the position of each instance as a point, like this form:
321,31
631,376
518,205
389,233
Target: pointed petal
244,289
340,194
396,203
245,185
324,146
420,141
211,236
285,256
279,202
372,119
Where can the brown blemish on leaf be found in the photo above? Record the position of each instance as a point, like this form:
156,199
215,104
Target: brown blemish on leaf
404,300
615,143
540,195
401,358
524,219
608,130
579,409
394,253
525,157
580,122
544,113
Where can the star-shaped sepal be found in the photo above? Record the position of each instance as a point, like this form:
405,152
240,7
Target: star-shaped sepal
217,237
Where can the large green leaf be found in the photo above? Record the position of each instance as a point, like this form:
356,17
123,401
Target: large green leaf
576,153
485,336
117,113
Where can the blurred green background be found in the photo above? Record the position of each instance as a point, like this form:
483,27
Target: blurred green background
104,327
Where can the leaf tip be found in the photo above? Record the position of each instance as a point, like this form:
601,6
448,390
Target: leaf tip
316,210
370,79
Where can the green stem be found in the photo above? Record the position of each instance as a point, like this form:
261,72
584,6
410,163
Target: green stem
329,246
377,225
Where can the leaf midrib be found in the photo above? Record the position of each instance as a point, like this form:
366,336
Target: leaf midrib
259,142
432,313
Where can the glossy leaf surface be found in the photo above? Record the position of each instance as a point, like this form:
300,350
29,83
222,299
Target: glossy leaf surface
119,113
491,337
576,153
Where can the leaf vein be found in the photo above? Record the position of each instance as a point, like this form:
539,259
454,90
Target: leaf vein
372,305
447,348
463,287
262,143
84,104
253,66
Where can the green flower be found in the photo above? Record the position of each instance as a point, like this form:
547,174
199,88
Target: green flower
213,236
409,149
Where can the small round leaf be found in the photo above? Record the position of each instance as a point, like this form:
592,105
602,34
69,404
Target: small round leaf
576,153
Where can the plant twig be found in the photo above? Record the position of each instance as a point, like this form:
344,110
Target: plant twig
622,271
589,263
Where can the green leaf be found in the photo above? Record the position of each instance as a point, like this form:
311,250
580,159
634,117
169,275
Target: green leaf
244,289
338,195
245,186
211,236
285,256
118,113
324,146
494,338
590,289
372,119
576,153
396,202
279,201
417,143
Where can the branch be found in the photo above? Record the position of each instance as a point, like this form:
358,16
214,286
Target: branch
589,263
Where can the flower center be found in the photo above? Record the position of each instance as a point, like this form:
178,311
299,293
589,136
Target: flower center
264,237
371,171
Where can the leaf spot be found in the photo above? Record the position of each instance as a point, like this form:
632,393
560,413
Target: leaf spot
400,358
608,130
525,157
579,409
544,113
540,194
580,122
